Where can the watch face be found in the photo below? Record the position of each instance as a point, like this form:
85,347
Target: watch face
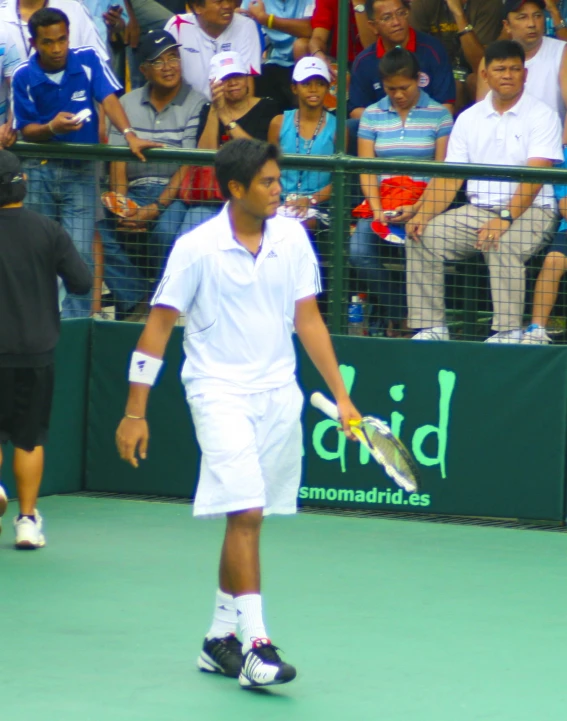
359,8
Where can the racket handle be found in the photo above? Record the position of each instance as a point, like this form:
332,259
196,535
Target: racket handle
326,406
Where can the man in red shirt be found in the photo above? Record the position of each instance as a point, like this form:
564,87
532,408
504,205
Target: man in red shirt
323,40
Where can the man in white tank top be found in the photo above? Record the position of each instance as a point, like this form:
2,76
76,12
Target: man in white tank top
546,58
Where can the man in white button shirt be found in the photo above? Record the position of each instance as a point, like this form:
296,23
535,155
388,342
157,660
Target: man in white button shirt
507,222
245,279
82,30
211,28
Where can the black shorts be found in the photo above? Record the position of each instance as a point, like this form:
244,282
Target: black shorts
25,405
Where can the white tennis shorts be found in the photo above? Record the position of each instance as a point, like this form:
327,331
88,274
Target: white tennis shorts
251,451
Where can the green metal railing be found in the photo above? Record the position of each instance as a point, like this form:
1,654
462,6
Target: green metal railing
345,170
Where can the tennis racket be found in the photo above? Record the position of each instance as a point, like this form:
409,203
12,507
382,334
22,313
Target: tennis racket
383,446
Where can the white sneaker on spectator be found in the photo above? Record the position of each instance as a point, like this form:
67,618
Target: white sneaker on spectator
440,332
535,335
506,336
3,505
29,533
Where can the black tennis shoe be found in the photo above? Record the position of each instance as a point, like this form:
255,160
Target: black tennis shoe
221,655
263,666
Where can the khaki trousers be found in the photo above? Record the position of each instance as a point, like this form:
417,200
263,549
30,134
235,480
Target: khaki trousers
452,236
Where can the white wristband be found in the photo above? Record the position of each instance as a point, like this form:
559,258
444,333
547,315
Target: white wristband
144,368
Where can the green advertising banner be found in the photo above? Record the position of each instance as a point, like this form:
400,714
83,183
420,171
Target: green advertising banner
486,424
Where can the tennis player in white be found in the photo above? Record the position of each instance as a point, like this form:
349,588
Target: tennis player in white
245,279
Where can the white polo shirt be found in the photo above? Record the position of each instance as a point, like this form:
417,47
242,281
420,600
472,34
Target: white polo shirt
82,30
241,36
531,129
240,309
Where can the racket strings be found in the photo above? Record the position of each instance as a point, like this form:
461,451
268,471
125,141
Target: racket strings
392,455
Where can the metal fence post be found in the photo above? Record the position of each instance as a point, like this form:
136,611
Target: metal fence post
339,209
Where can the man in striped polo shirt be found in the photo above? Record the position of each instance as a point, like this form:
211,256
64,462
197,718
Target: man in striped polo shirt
166,109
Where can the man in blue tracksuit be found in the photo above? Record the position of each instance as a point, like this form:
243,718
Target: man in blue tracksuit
48,92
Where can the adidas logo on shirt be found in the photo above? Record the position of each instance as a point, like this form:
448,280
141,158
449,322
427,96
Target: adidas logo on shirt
272,254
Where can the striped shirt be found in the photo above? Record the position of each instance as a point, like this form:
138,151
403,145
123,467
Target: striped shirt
9,60
415,139
175,126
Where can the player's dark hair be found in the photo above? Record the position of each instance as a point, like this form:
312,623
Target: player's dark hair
44,18
399,61
504,50
242,160
369,7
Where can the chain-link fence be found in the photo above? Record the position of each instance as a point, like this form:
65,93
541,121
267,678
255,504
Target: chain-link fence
466,272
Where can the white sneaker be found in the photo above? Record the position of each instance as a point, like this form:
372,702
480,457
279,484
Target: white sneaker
506,336
440,332
3,505
535,335
29,533
262,666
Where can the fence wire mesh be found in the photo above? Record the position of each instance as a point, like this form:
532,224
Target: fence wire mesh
378,280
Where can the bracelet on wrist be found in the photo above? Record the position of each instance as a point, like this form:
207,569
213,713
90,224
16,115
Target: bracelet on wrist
467,29
270,21
128,130
51,128
134,418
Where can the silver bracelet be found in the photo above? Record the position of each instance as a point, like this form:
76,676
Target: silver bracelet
128,130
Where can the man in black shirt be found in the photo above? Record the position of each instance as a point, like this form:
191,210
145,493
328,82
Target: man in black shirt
34,251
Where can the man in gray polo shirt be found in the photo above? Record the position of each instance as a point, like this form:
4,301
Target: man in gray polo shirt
166,110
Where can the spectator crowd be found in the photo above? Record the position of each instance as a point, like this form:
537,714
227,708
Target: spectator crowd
454,81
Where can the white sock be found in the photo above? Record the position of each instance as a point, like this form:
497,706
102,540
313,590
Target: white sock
224,619
250,619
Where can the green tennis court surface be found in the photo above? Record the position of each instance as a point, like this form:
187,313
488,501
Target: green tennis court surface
384,619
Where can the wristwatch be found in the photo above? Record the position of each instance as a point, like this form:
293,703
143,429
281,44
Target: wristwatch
506,215
128,130
560,25
465,30
231,125
312,200
359,8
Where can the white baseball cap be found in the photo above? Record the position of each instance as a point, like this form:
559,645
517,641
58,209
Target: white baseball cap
309,68
225,64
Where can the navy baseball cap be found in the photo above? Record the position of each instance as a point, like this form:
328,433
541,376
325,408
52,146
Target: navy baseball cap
154,44
512,6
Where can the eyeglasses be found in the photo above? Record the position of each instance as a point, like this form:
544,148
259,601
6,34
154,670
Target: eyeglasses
160,63
389,18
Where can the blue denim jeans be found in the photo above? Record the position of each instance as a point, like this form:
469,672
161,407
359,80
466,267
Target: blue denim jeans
367,253
198,214
66,191
125,280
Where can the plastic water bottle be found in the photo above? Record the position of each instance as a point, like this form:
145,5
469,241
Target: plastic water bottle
356,316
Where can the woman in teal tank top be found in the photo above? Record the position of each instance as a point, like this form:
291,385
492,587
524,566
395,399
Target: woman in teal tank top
309,130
